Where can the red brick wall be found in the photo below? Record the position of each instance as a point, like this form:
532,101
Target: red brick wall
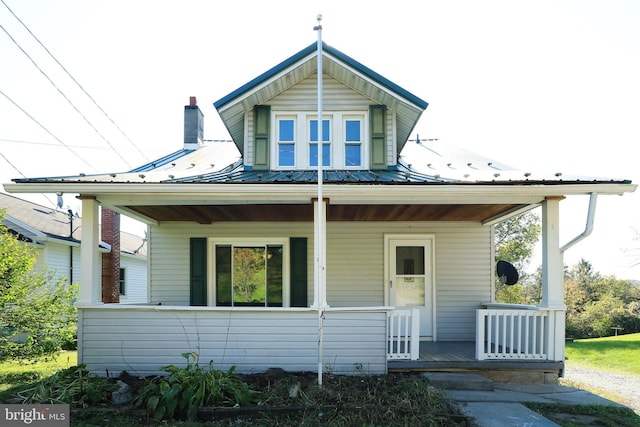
110,233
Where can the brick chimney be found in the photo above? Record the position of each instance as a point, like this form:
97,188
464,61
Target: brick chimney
110,233
193,125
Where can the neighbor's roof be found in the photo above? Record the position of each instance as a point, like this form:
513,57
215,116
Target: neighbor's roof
380,90
37,223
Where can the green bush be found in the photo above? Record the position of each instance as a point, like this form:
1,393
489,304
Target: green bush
37,316
184,390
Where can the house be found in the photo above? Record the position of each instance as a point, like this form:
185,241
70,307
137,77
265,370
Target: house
386,264
57,235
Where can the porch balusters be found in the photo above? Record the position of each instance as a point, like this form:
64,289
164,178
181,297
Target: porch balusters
515,334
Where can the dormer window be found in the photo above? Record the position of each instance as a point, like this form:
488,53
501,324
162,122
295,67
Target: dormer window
294,143
313,142
353,131
286,141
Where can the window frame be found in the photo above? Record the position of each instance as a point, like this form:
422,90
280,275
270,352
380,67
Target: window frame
278,142
123,282
247,242
337,139
362,118
329,143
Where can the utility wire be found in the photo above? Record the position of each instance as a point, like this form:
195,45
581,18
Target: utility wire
64,96
75,81
84,147
46,130
23,175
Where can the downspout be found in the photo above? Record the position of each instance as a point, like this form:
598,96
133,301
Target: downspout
593,198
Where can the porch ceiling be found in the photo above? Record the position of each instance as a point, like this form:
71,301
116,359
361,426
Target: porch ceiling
206,214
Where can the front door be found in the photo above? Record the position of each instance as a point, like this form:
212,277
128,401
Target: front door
410,273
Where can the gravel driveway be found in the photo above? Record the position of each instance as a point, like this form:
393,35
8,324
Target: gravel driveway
617,387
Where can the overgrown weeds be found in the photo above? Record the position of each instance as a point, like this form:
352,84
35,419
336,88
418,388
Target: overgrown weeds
75,386
184,390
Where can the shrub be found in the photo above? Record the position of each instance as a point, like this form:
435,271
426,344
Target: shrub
184,390
37,317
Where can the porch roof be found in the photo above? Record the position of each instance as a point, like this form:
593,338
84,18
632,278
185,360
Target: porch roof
431,181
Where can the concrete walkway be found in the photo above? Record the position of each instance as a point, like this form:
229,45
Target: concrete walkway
490,404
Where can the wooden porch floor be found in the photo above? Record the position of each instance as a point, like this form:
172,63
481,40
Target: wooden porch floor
460,355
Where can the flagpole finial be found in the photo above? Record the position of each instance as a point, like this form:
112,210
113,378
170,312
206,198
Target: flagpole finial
319,26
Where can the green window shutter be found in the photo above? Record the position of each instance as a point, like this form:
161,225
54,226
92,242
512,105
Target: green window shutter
261,119
198,271
298,258
377,122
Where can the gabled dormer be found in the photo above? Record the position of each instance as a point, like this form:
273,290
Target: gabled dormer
366,120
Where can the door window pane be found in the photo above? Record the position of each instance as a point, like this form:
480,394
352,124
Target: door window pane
410,260
410,292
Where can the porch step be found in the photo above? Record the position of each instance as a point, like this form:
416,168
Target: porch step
457,381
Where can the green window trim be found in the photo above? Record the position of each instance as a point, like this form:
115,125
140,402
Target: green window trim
298,271
198,271
261,132
298,279
378,135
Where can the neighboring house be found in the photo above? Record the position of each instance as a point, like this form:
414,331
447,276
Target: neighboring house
238,271
56,236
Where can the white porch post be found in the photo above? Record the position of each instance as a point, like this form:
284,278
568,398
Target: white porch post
90,286
553,278
552,259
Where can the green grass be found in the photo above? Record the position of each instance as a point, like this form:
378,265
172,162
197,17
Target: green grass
586,415
613,354
16,375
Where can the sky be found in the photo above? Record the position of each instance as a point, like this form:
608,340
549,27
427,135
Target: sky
541,85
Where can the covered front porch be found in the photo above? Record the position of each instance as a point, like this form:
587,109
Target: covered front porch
459,356
513,344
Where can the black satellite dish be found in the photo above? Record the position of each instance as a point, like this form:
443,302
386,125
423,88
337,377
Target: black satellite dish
507,273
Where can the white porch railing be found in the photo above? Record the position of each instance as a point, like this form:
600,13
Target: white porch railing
534,334
403,327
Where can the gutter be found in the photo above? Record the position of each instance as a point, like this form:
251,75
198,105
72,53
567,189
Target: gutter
593,198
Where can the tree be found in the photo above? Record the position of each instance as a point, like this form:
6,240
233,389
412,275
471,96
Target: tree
515,241
37,315
596,304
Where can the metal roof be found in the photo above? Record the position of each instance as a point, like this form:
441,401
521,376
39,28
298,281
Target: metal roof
420,162
236,173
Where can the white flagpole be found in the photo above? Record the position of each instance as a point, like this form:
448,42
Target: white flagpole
320,217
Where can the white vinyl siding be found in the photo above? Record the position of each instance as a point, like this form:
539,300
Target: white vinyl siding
136,279
355,264
169,252
141,340
337,98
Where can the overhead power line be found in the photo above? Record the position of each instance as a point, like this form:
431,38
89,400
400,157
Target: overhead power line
45,129
75,81
64,96
23,175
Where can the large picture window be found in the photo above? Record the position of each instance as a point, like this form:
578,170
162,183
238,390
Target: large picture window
249,275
